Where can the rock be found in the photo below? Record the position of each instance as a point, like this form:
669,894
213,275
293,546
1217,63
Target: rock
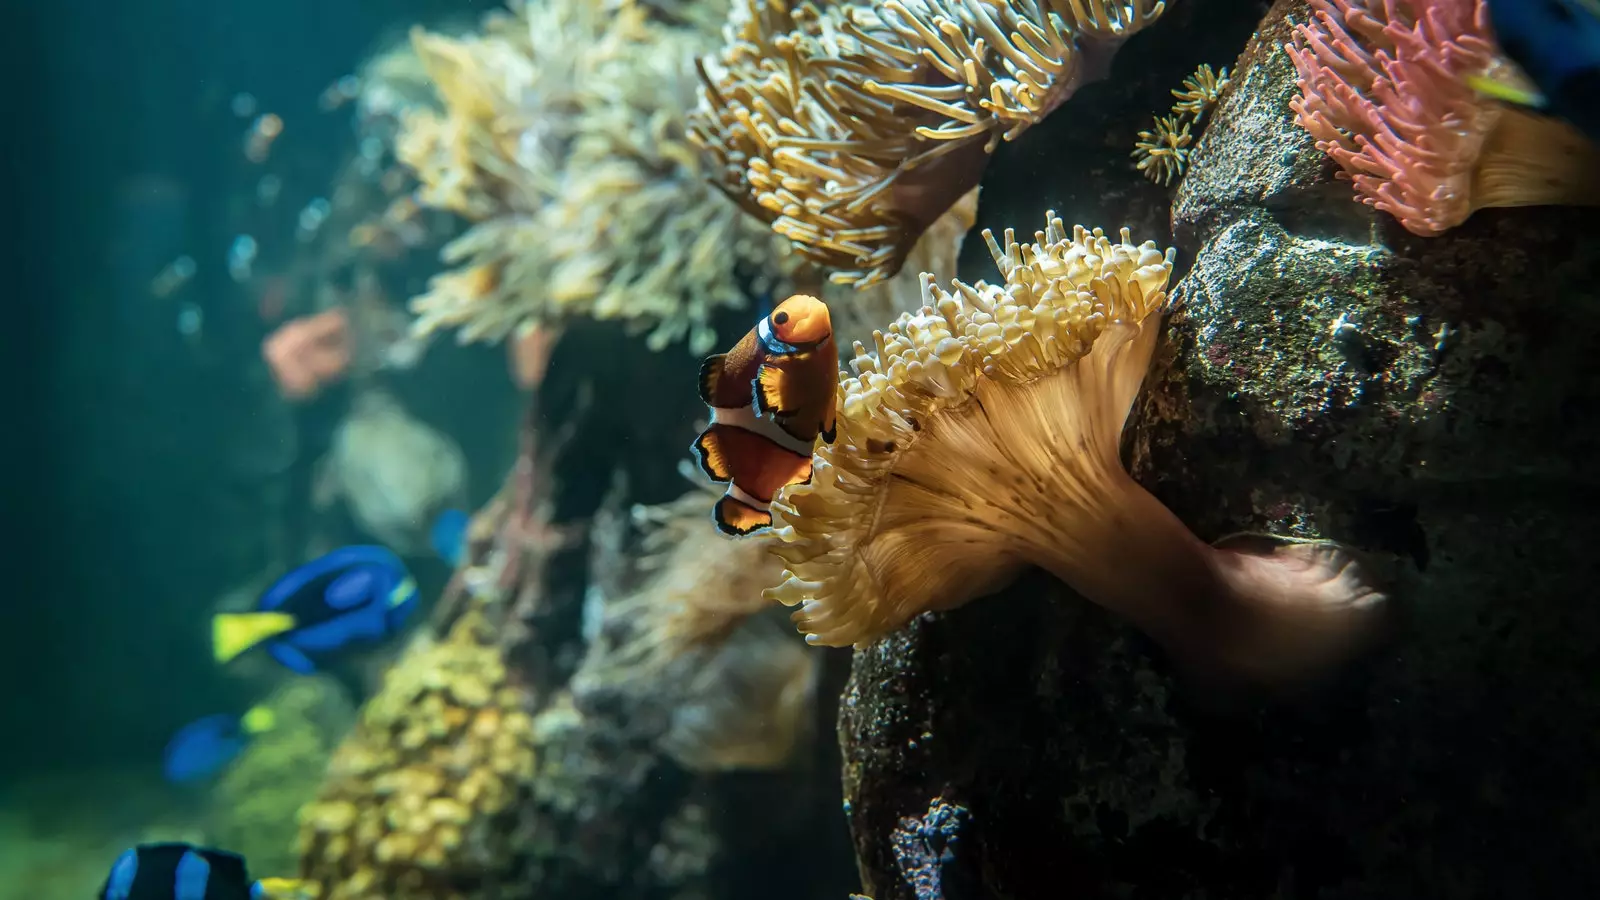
1430,401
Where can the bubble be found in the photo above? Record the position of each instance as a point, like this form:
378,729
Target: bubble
243,105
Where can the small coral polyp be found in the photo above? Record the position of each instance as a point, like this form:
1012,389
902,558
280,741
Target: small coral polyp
981,435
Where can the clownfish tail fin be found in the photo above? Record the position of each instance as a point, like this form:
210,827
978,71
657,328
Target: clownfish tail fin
712,456
736,518
710,375
769,392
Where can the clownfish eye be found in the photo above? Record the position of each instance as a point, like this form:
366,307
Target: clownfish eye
780,318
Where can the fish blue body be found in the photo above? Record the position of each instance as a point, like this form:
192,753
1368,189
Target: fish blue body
349,597
201,748
449,535
1557,43
175,871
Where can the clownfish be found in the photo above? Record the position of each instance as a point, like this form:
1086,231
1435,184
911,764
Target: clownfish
771,397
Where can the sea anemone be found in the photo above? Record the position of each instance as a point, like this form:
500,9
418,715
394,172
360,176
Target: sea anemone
982,435
1384,90
1200,92
852,127
562,140
696,640
1163,151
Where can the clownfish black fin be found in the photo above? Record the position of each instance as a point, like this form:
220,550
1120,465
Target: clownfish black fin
769,392
710,374
712,456
736,518
829,430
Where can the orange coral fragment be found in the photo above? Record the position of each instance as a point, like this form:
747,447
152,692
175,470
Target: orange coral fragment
307,353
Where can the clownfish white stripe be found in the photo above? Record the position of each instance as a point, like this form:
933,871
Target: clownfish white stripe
743,496
746,418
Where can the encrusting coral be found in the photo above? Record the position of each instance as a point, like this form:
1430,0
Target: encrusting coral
696,637
851,127
563,140
409,805
1383,89
982,435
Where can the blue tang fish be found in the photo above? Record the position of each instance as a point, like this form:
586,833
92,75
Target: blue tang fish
186,872
201,748
1557,43
449,535
352,596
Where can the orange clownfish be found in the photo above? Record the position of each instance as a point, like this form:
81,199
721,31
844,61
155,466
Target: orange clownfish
771,397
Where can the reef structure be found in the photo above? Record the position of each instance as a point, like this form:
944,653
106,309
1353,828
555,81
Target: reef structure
515,750
1324,374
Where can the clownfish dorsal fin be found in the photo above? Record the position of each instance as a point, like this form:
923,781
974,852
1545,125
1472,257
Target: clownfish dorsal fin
769,392
710,374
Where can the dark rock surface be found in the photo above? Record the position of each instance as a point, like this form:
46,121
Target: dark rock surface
1431,401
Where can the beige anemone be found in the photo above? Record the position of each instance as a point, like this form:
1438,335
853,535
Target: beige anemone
851,127
981,435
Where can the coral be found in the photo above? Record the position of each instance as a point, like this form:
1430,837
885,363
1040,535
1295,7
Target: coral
852,127
926,849
1383,90
308,353
1163,151
394,471
695,639
255,801
563,141
1200,92
409,805
982,436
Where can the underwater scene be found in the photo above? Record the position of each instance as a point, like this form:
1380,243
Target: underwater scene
816,450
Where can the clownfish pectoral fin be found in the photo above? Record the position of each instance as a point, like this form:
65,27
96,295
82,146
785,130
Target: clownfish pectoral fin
830,427
769,392
234,633
737,518
710,374
712,455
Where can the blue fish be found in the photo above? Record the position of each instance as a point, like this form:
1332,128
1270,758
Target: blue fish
449,535
201,748
186,872
1557,43
352,596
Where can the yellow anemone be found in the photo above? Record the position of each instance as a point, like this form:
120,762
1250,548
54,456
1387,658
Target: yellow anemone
981,435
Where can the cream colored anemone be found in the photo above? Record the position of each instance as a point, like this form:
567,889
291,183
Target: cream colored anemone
981,436
696,638
851,127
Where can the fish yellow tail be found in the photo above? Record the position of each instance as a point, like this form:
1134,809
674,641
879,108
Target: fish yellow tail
285,889
234,633
258,719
